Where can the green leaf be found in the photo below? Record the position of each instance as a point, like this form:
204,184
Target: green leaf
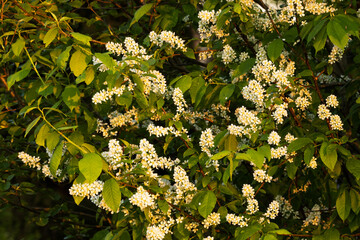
81,37
190,53
78,63
270,236
353,165
163,205
274,49
316,29
343,205
309,153
196,84
244,67
112,194
256,157
31,125
56,158
328,155
18,76
220,155
320,40
355,198
91,166
266,151
184,83
50,36
63,58
281,232
141,12
42,135
71,96
230,143
226,92
18,46
207,203
332,234
237,8
249,231
106,59
299,143
337,34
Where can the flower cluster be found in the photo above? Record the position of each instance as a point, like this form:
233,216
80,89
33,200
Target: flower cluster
273,210
86,189
236,220
206,141
261,176
33,162
105,95
212,219
167,37
142,198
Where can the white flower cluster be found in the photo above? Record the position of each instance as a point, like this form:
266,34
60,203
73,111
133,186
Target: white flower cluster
289,138
237,220
207,25
335,55
105,95
117,119
206,141
158,232
274,138
113,156
212,219
182,185
86,189
228,54
150,157
279,152
298,7
33,162
246,118
142,198
167,37
254,92
153,81
249,193
179,100
313,163
280,112
324,113
160,131
273,210
286,209
313,217
261,176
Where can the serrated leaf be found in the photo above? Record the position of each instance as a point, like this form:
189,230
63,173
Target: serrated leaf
50,36
316,29
42,135
328,155
256,157
56,158
332,234
184,83
81,37
337,34
31,125
274,49
106,59
343,205
190,53
226,92
207,203
111,194
220,155
244,67
71,96
63,58
91,166
18,46
353,165
299,143
141,12
320,40
78,63
18,76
